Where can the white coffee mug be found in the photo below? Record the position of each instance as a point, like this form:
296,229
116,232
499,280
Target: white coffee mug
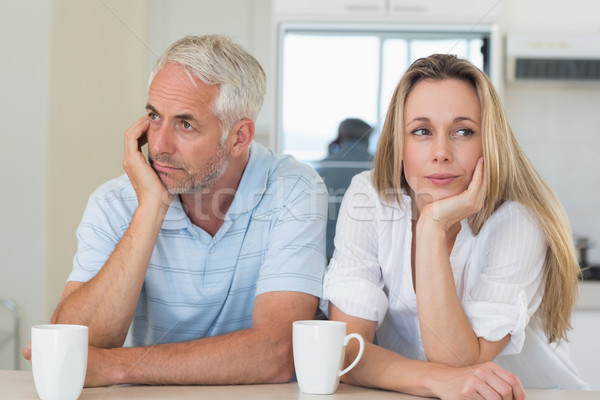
59,360
319,348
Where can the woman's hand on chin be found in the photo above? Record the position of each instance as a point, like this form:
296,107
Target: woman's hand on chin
449,211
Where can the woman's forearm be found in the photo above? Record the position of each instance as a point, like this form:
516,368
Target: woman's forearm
384,369
447,335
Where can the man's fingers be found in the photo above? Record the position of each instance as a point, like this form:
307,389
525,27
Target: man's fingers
135,136
27,353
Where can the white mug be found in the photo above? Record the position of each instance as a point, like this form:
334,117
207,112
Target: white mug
319,348
59,360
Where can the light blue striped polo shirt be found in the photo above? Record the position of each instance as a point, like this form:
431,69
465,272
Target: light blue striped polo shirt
196,285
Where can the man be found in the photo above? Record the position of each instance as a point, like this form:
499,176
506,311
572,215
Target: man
348,155
352,142
200,260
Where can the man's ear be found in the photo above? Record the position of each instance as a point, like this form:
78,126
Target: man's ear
241,136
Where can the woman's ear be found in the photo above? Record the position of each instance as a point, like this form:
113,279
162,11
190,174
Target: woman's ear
241,136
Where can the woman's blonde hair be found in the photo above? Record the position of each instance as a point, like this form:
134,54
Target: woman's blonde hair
509,175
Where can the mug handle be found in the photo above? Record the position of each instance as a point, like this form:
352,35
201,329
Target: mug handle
360,351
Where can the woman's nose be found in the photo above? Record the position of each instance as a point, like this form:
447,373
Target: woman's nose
442,150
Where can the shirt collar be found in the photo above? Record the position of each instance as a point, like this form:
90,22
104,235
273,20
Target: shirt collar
176,218
254,180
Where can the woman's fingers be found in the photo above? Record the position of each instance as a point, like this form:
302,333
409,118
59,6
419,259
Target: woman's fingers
477,185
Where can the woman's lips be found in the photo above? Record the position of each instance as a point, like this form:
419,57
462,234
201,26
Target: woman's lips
441,179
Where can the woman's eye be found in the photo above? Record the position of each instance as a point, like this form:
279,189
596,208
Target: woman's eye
465,132
421,132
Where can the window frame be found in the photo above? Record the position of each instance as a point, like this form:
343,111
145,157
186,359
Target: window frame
494,64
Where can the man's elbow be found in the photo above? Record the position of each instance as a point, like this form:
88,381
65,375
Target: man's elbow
282,364
284,374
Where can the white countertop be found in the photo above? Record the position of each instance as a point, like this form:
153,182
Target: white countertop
18,385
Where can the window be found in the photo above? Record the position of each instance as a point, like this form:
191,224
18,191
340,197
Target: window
328,74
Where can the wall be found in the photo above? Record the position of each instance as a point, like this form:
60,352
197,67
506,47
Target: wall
97,90
557,123
72,80
24,46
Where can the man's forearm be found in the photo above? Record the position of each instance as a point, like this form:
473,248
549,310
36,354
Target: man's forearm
107,302
243,357
260,354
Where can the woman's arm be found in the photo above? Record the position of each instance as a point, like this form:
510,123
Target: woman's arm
384,369
445,329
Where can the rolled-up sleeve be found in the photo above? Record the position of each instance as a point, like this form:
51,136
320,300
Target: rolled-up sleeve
508,291
353,280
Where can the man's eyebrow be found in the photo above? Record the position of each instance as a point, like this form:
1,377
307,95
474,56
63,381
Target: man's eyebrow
187,117
151,108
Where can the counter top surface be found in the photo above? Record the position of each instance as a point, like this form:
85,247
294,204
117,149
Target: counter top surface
18,385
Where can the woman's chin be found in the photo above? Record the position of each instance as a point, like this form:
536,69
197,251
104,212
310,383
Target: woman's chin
433,195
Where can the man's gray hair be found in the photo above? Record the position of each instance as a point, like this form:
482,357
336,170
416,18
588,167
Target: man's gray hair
217,60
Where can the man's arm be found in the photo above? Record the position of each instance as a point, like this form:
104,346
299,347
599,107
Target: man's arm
107,302
259,354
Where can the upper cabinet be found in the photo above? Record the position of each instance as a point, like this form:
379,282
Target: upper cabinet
408,11
443,11
330,7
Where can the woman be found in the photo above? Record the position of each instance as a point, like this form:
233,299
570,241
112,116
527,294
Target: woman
453,249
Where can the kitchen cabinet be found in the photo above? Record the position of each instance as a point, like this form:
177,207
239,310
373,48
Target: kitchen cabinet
460,11
330,7
409,11
573,16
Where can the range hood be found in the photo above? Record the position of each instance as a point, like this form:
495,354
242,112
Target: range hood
556,57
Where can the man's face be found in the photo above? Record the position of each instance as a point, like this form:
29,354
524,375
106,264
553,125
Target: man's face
184,138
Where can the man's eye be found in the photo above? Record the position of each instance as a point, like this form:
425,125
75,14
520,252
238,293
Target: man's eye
186,125
152,116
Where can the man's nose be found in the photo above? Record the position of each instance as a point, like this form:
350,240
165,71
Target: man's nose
161,140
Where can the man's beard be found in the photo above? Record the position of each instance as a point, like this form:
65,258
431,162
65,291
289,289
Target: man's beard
192,181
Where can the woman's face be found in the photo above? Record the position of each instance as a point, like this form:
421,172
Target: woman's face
442,138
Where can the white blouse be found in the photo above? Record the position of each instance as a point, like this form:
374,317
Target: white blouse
498,277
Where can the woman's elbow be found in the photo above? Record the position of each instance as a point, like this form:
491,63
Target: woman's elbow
454,360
